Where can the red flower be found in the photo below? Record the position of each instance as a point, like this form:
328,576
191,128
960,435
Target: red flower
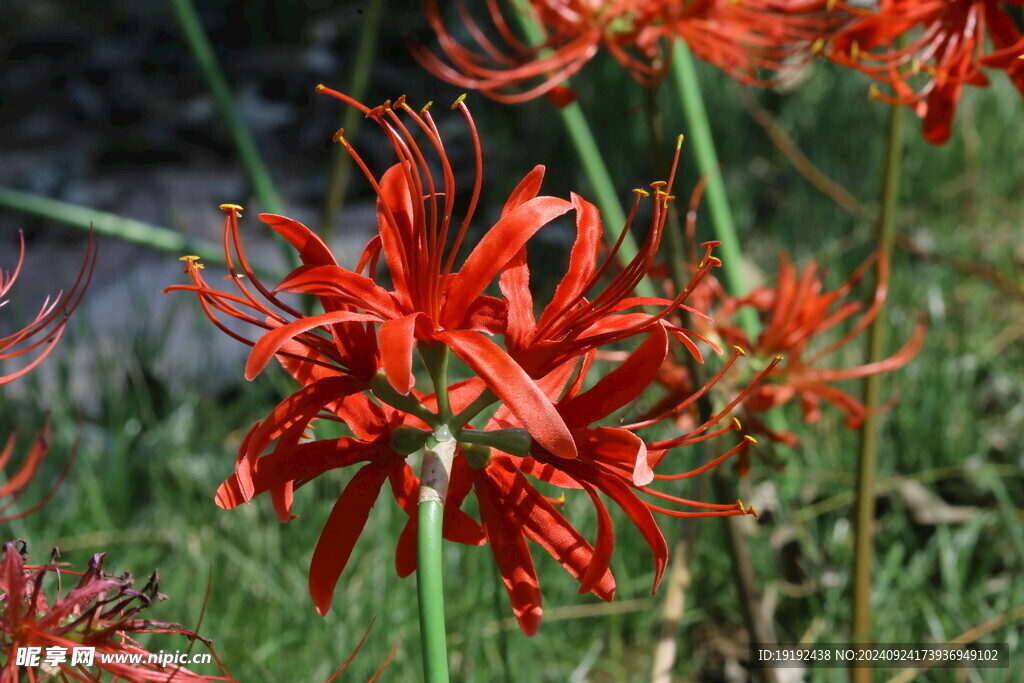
41,335
573,31
354,364
744,38
752,40
100,612
943,49
798,313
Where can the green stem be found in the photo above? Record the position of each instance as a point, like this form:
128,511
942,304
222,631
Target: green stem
382,389
202,52
864,509
481,402
595,169
435,358
434,478
110,225
684,71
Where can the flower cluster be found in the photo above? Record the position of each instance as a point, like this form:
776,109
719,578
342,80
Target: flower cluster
925,51
100,612
548,394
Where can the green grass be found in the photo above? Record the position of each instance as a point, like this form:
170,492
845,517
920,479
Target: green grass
151,455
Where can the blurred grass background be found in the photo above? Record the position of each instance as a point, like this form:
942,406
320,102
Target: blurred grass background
105,109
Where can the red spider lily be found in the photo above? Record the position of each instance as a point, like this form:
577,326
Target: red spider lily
573,31
744,38
797,313
41,335
354,365
99,612
928,50
751,38
429,301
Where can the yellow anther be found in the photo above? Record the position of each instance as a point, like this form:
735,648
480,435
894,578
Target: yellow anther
426,107
561,499
753,511
739,350
459,100
191,262
873,92
679,141
399,102
741,506
749,438
340,135
739,426
658,184
320,87
233,209
830,5
641,193
716,262
915,65
1020,57
778,358
817,46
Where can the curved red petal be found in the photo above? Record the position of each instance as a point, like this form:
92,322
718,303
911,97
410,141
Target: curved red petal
501,243
345,523
397,339
514,388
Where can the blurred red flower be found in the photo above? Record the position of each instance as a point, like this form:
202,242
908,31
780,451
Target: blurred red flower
798,314
748,39
40,336
928,50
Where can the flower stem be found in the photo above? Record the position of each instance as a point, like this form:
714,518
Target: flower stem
595,169
341,164
699,135
864,509
434,477
435,358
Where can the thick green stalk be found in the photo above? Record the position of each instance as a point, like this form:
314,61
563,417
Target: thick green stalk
110,225
867,459
434,477
341,164
699,137
259,176
596,171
